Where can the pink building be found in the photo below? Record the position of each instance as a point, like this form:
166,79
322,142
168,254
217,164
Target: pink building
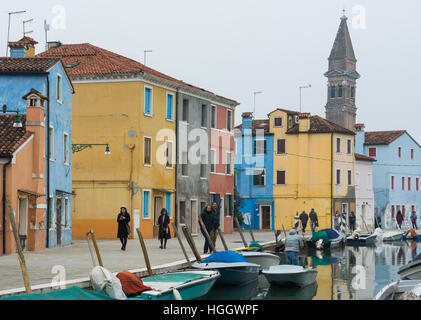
221,173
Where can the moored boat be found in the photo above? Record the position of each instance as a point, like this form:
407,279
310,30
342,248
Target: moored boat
290,274
264,259
411,271
362,240
332,239
395,290
390,236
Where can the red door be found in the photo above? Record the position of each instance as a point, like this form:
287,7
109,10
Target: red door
266,217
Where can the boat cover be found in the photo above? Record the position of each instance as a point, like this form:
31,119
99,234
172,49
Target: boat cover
132,285
317,235
331,233
72,293
225,256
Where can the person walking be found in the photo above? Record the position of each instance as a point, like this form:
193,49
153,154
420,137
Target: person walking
352,220
123,232
304,219
216,224
413,218
293,244
314,221
164,229
399,219
208,221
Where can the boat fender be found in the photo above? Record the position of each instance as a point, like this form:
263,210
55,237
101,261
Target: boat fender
176,294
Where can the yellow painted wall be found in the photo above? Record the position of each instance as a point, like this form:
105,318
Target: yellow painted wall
308,174
112,112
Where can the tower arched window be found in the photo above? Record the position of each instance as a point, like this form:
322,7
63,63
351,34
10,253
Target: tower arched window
352,92
340,91
332,92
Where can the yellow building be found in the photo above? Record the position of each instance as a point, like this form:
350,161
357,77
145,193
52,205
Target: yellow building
130,108
313,167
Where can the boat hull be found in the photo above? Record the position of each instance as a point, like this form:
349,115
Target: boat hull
237,273
363,240
411,271
395,289
282,276
416,238
264,259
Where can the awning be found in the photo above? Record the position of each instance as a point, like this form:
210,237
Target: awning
264,202
31,193
163,190
66,192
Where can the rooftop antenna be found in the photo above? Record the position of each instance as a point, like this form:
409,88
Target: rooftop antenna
8,29
254,105
25,22
144,56
46,29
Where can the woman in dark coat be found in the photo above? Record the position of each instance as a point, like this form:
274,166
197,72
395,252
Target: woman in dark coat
399,219
164,230
123,220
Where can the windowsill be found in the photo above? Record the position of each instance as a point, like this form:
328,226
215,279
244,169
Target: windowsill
184,176
281,154
203,178
148,115
52,159
147,165
60,101
280,185
67,164
259,186
170,120
169,168
202,127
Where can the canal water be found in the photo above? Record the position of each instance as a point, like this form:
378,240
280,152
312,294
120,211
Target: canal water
349,273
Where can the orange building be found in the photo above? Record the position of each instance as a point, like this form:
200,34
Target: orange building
22,175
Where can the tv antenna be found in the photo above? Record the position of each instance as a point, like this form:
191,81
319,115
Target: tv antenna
46,29
8,29
25,22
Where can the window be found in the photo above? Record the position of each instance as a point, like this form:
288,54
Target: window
170,106
338,145
332,92
182,212
168,203
281,177
417,184
409,184
399,152
51,143
146,204
147,151
33,102
338,176
403,183
51,216
281,146
278,122
66,148
213,117
349,147
229,120
184,164
412,154
372,152
213,161
392,182
204,115
228,165
203,167
350,177
59,88
168,154
185,110
148,101
357,180
392,211
66,212
259,147
340,91
369,181
259,177
228,205
352,92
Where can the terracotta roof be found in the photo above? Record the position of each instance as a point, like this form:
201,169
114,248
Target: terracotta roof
87,59
12,138
27,64
23,42
36,92
382,137
320,125
258,124
363,157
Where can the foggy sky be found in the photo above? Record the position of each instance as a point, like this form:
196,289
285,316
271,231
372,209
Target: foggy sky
237,47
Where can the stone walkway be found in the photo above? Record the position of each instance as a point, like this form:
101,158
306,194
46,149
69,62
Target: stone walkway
77,261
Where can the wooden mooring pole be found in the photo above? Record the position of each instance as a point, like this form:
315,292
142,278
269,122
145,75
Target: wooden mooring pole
190,241
91,232
251,230
207,236
241,232
177,234
145,252
222,239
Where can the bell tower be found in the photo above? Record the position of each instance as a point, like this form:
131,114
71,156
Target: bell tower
342,77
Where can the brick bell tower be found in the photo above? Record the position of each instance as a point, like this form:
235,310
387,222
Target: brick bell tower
342,77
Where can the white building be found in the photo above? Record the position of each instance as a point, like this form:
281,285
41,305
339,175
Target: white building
364,195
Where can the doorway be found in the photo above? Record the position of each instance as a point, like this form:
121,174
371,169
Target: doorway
59,202
157,212
193,216
23,221
265,217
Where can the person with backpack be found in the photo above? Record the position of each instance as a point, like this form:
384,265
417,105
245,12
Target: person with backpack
304,219
314,221
413,218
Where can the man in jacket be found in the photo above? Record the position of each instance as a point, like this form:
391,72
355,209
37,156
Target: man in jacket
208,221
314,221
293,244
215,214
304,219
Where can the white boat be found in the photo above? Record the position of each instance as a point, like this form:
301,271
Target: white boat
264,259
290,274
390,236
395,289
411,271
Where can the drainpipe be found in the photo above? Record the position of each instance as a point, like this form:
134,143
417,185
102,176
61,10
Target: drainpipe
4,201
47,157
177,97
331,181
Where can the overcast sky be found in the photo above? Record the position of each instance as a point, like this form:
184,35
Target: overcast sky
237,47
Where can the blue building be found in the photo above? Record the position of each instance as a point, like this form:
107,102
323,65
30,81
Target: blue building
20,74
254,172
396,174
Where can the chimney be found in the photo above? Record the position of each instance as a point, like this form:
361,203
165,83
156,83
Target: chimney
359,138
303,122
53,44
247,122
25,47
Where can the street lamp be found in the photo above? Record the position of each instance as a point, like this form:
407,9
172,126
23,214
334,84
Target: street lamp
18,122
82,146
303,87
144,56
254,105
8,29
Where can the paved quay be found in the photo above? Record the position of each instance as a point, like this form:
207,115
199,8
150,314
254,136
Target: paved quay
77,262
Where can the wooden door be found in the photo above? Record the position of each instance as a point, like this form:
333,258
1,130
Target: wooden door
266,217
